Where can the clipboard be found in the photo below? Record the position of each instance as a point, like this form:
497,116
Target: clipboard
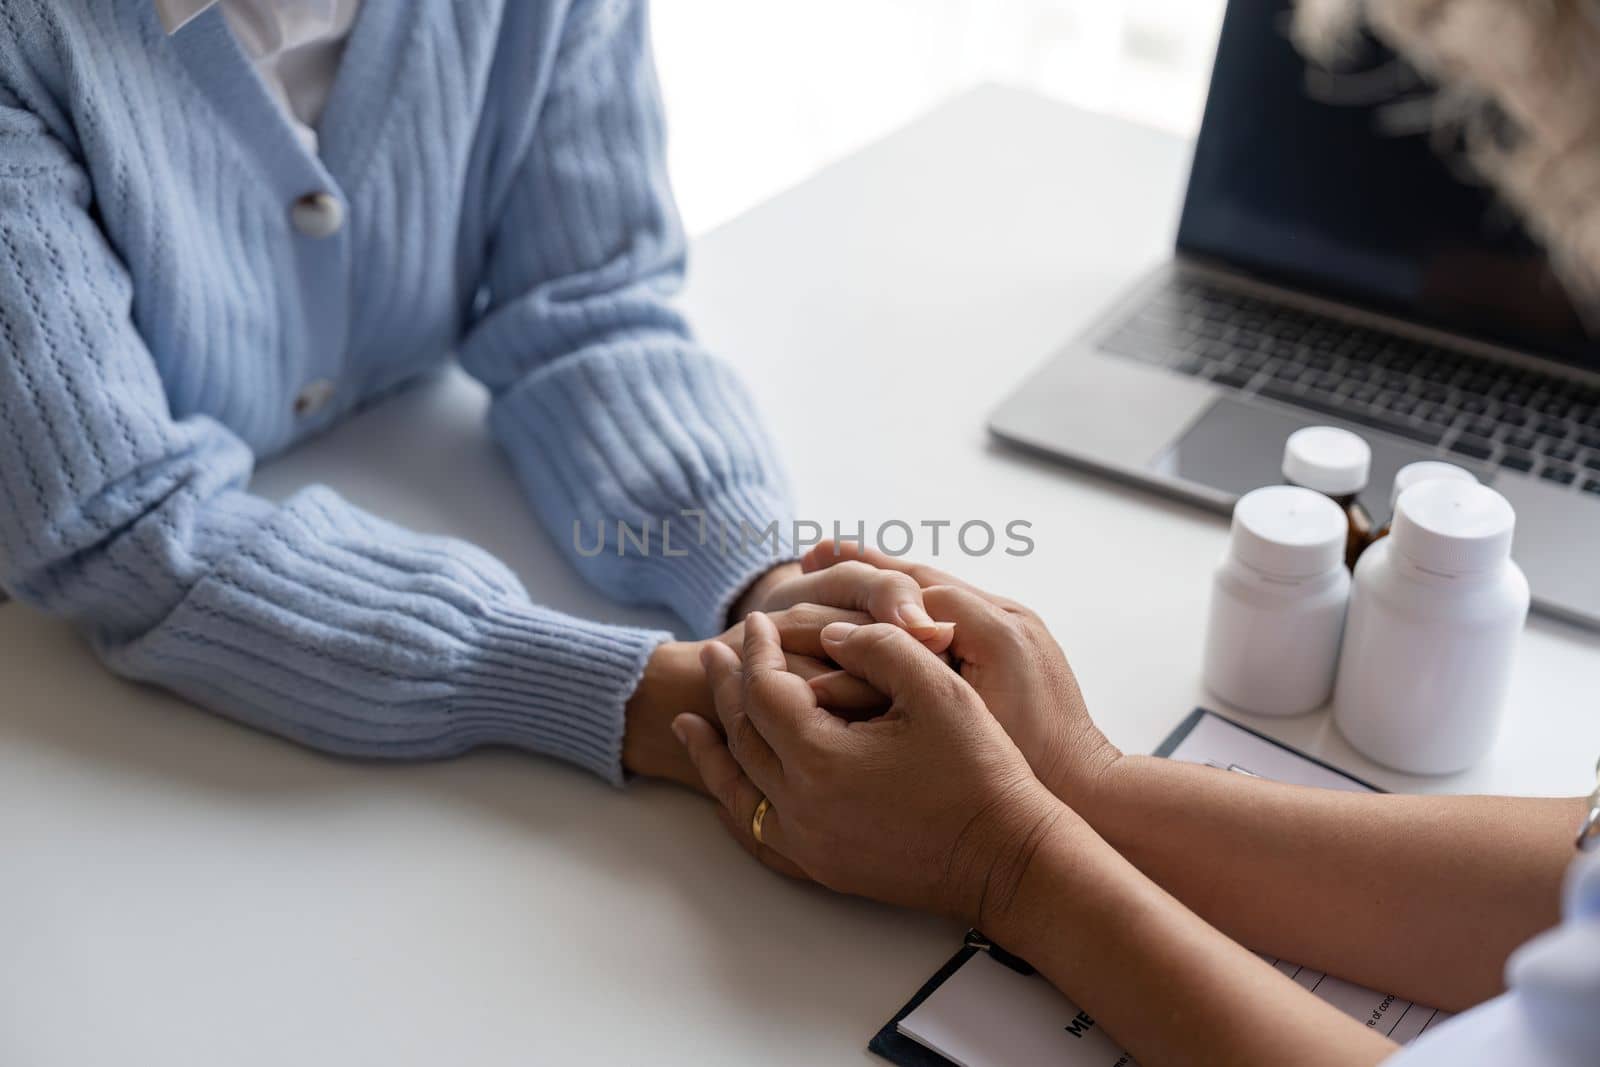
897,1048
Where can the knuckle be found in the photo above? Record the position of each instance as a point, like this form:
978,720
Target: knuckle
821,615
1012,647
947,687
1038,633
878,637
896,584
1020,626
765,687
1021,617
794,617
741,734
947,602
1014,632
1021,611
854,570
735,728
805,614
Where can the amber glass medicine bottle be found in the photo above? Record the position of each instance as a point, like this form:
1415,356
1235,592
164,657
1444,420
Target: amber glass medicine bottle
1337,464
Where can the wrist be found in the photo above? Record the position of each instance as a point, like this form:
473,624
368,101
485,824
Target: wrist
1057,863
673,682
1003,842
1107,799
1088,780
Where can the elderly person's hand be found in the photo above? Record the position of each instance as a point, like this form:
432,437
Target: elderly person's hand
674,683
1005,652
928,806
884,594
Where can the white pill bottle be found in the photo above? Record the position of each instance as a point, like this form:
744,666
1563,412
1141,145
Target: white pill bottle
1278,601
1436,614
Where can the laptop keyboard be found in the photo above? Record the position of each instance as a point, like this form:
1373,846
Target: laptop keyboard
1483,411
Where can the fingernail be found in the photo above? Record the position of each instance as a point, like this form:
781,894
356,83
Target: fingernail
836,633
912,617
942,637
679,732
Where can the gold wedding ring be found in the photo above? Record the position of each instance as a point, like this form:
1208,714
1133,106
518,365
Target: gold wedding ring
758,818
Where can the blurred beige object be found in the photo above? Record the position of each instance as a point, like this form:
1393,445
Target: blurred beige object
1534,64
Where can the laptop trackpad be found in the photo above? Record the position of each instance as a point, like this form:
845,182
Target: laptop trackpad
1237,446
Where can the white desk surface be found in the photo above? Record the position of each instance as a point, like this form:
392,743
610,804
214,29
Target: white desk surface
178,890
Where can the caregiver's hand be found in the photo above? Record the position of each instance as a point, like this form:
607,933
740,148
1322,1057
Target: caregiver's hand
929,806
933,807
1005,652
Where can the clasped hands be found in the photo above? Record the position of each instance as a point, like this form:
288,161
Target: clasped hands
889,773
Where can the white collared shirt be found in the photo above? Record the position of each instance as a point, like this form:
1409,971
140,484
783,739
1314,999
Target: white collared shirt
295,46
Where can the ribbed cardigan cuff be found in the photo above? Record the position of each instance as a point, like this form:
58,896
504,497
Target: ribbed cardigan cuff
551,684
746,532
649,435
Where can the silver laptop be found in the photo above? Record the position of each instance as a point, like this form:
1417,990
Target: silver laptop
1333,270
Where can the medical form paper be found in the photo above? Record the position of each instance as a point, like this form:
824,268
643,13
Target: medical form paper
988,1015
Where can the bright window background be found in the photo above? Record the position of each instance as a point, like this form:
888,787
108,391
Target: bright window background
762,93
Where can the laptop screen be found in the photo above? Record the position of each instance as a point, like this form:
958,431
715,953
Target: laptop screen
1308,177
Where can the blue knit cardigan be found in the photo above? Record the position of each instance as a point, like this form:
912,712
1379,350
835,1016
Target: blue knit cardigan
500,168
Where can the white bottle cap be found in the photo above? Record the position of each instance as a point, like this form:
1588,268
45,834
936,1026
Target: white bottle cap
1327,459
1288,532
1453,527
1426,471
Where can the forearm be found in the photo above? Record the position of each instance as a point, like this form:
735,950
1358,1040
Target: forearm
1166,985
335,629
1377,889
617,423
